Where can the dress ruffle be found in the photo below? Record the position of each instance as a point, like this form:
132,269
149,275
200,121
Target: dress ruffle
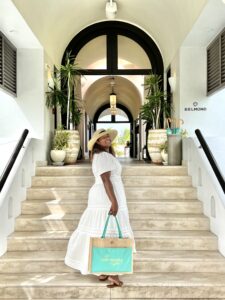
91,224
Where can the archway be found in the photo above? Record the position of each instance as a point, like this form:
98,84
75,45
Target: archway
114,48
96,100
111,30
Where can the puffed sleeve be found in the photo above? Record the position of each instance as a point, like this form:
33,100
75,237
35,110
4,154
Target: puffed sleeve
104,162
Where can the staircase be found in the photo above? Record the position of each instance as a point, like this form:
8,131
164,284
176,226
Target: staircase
177,256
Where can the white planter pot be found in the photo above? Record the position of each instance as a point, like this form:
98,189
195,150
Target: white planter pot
156,138
164,157
58,156
73,147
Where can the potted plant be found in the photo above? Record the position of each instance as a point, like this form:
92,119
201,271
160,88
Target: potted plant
70,72
64,96
155,106
164,152
59,144
55,96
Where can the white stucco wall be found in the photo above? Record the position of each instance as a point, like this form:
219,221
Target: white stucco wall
30,86
189,67
193,88
26,110
209,191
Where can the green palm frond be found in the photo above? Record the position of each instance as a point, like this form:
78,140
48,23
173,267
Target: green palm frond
55,96
156,101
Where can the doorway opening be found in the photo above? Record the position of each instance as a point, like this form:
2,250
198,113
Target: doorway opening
122,122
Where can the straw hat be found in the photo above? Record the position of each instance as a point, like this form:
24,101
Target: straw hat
99,133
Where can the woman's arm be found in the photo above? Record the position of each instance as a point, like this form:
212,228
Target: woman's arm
110,192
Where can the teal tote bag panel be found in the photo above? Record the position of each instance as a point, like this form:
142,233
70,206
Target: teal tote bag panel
111,255
111,259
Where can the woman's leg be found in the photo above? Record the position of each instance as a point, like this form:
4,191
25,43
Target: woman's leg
103,277
115,281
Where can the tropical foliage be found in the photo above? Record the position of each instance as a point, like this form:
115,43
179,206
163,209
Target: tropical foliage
60,139
156,103
63,95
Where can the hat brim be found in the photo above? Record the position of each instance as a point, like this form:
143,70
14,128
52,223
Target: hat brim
111,132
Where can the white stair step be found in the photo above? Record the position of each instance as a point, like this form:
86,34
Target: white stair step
144,221
135,206
131,192
136,286
87,181
145,240
144,261
136,170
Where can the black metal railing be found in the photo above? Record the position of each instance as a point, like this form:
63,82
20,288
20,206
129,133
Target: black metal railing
13,158
211,159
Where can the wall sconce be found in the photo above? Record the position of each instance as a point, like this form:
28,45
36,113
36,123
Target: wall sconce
172,83
47,67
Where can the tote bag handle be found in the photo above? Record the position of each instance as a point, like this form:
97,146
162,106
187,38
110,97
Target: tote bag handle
106,224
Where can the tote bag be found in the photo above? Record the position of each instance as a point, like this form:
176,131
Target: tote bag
109,255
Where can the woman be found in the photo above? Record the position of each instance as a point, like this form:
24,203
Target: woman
106,196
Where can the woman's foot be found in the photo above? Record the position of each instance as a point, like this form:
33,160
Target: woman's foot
103,277
115,281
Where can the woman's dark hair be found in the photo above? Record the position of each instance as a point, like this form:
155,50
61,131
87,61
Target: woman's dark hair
98,148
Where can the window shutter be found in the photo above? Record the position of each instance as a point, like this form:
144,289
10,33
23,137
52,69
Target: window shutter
223,57
213,65
9,72
1,63
8,67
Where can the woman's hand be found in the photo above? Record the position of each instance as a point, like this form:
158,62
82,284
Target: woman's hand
114,208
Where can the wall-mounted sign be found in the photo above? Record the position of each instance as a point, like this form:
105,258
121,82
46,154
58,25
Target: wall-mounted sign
195,107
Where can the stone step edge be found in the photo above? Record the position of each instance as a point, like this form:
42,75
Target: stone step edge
152,216
155,234
129,200
39,165
164,280
61,254
123,176
86,188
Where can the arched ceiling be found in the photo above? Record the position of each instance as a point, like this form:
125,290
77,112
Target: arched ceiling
56,22
98,94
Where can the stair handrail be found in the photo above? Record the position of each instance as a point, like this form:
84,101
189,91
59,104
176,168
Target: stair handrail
211,159
12,159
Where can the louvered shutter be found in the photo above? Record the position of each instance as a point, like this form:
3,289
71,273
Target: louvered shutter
1,63
223,58
213,65
9,69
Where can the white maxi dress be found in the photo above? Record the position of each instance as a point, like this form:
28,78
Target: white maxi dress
93,219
